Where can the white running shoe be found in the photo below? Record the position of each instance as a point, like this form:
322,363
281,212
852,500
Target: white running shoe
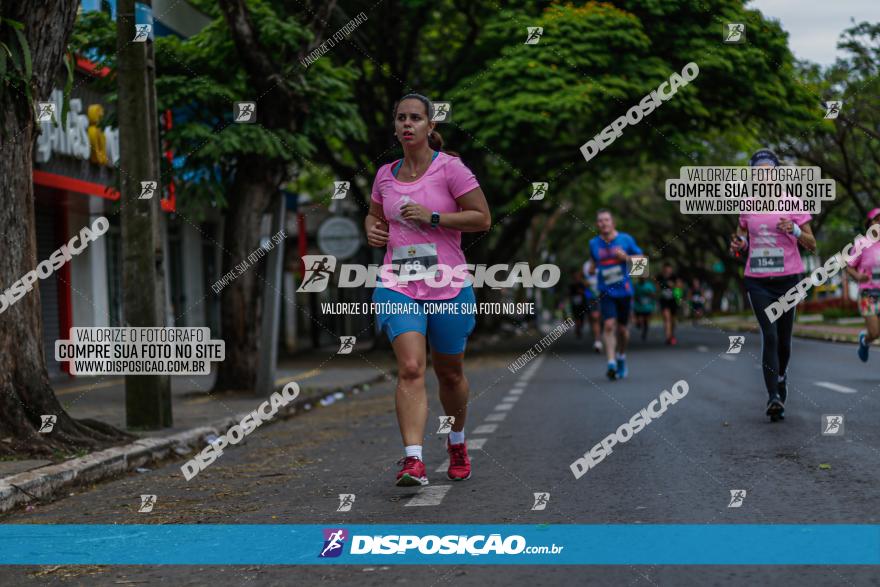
597,346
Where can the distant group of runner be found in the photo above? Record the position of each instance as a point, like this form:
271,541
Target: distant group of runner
670,293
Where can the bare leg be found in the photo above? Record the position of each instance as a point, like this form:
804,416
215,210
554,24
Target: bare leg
454,387
610,326
411,397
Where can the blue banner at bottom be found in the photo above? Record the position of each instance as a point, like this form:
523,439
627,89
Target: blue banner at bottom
362,544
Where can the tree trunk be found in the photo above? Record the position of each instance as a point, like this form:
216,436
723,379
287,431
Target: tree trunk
25,391
256,182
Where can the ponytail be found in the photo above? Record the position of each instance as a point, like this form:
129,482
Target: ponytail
435,140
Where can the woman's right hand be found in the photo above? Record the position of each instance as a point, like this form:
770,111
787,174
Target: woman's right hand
377,235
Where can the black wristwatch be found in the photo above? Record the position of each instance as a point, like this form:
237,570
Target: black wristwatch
435,219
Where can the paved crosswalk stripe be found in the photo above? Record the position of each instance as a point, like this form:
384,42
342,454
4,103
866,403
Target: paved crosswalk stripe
516,391
510,399
429,495
496,417
501,407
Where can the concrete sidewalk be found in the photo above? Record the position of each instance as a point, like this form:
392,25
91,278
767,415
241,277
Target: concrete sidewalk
199,415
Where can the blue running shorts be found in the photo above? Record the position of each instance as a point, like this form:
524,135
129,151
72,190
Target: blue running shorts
446,323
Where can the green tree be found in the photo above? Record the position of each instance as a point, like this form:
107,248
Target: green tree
250,52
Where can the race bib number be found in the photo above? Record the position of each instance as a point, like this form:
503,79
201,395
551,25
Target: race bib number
767,260
612,275
875,274
415,262
667,294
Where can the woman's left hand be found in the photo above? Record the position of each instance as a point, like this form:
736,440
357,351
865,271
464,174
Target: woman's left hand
785,225
415,213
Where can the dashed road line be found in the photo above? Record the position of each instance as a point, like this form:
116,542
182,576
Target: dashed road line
429,495
485,429
836,387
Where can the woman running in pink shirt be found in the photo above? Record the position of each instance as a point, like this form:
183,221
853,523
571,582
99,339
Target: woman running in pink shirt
420,206
865,269
773,267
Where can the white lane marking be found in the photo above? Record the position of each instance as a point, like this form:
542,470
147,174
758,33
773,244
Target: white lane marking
728,358
836,387
510,398
502,407
496,417
485,429
476,443
516,391
429,495
703,348
520,383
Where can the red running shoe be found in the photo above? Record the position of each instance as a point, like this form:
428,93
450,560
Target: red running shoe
459,463
672,341
412,473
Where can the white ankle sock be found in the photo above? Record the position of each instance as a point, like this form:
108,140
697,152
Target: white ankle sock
621,356
414,450
456,437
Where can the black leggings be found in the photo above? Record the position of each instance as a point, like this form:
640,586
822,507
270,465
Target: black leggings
776,336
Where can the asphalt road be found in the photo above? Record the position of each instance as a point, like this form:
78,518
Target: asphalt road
679,469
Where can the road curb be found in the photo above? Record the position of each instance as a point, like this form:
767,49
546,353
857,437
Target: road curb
44,483
833,337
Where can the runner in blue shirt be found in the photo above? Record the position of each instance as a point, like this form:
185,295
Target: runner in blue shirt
611,251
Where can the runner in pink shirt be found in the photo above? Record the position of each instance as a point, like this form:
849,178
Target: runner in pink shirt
865,269
419,207
773,267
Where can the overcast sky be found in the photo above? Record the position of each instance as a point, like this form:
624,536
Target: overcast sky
814,26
